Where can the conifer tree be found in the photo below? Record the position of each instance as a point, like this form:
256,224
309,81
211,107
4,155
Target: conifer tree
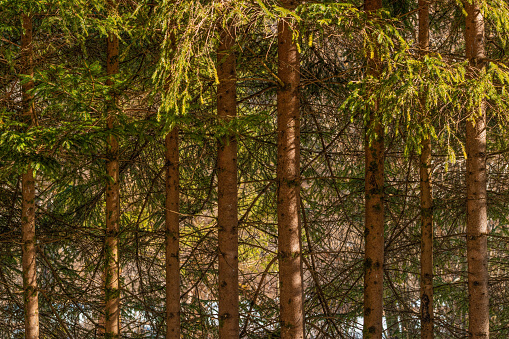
426,196
172,235
30,289
111,254
227,218
288,180
374,206
477,219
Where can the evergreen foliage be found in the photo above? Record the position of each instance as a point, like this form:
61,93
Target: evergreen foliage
168,78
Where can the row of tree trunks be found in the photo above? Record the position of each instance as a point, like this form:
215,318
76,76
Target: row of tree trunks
30,293
111,254
227,218
288,182
477,222
288,197
427,321
292,316
374,209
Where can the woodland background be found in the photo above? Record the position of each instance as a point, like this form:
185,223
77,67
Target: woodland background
168,78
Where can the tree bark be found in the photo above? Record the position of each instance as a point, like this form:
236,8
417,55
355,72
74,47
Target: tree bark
30,293
477,248
172,237
374,210
111,274
427,318
227,189
288,182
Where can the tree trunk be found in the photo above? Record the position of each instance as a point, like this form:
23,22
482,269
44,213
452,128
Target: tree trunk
30,293
374,212
227,190
426,242
172,237
427,321
288,182
477,248
111,274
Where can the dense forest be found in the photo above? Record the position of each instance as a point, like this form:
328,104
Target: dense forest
254,169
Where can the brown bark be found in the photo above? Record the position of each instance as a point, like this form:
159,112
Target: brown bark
111,274
427,318
374,234
477,248
30,293
288,182
374,211
227,190
172,237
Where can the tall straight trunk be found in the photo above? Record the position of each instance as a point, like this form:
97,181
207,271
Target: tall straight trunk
288,182
477,247
172,237
30,293
111,274
374,210
427,320
227,190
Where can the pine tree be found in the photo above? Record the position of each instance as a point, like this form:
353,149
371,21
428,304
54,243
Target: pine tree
227,219
426,197
172,235
111,254
30,289
288,181
477,219
374,207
